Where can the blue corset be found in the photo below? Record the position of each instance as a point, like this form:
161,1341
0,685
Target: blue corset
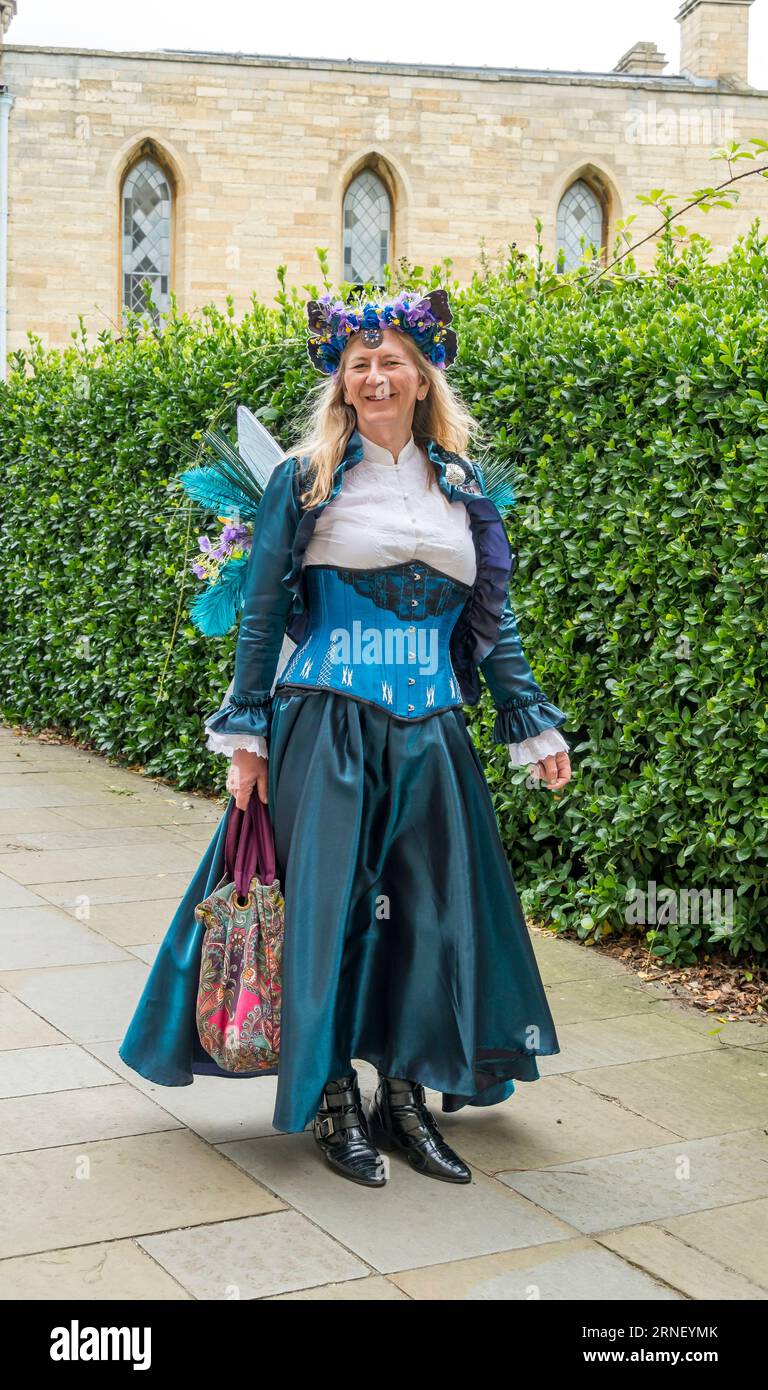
380,635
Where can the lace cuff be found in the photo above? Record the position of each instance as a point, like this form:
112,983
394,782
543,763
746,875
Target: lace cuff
532,750
229,743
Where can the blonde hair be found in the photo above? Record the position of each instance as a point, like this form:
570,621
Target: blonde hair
328,423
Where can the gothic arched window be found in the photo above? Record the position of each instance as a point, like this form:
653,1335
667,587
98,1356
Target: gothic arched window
146,235
366,229
580,214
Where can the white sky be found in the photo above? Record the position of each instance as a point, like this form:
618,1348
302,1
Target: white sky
575,35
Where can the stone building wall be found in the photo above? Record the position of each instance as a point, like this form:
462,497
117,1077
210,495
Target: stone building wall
259,152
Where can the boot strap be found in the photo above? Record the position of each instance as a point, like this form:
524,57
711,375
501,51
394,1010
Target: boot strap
410,1121
414,1091
326,1124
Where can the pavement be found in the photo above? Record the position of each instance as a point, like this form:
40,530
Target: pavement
636,1168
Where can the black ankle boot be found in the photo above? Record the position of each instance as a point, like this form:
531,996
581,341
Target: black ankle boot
398,1118
341,1130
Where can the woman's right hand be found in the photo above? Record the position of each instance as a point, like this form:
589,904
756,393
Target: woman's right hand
248,770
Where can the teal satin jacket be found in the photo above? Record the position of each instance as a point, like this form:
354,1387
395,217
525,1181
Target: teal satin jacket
484,639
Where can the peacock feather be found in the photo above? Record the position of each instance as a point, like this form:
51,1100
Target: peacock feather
231,485
498,474
215,492
216,610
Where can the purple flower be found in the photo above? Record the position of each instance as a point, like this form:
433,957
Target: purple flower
232,533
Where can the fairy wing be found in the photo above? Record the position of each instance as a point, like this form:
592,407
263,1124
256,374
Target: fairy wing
258,449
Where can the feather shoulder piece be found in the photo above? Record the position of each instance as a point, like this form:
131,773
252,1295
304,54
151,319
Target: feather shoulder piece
497,478
231,485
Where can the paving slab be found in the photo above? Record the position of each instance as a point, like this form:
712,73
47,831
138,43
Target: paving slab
42,936
90,1003
71,894
373,1289
602,1042
53,866
31,821
105,1271
110,1189
253,1257
132,924
599,997
13,895
413,1220
730,1032
666,1253
28,1071
39,791
559,959
735,1234
49,1120
217,1108
92,837
599,1194
705,1093
553,1120
150,810
567,1272
21,1027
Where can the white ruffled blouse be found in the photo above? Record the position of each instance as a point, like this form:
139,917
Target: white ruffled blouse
385,514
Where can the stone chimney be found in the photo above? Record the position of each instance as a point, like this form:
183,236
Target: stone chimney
7,11
714,39
643,58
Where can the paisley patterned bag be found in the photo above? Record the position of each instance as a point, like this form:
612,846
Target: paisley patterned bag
239,996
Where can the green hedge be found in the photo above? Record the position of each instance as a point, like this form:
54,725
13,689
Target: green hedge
635,411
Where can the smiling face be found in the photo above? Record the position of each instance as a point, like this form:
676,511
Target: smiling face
382,383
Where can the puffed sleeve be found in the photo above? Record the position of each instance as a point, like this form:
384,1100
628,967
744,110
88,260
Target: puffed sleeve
525,719
244,719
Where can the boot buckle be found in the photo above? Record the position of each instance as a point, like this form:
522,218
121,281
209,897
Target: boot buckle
325,1126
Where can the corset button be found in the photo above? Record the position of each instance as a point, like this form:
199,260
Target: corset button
411,680
410,707
414,603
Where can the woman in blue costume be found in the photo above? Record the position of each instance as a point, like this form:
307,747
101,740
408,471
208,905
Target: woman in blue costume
381,561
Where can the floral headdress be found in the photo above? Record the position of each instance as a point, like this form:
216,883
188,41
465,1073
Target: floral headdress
423,317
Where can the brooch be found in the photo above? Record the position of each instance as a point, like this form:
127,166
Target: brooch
461,477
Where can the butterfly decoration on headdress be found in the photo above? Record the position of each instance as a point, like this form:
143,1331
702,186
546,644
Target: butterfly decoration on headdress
424,318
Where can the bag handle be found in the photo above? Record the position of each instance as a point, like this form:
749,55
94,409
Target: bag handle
250,843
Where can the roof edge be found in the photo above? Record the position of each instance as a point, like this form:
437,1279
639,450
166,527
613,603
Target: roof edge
557,76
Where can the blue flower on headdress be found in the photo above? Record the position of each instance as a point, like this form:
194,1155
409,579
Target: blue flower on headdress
423,317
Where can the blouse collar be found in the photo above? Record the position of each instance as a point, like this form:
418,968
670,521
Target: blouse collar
376,453
463,487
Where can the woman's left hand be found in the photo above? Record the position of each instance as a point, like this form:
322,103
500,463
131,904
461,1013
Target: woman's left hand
555,770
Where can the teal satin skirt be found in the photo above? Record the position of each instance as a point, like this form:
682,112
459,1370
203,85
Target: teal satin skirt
405,942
